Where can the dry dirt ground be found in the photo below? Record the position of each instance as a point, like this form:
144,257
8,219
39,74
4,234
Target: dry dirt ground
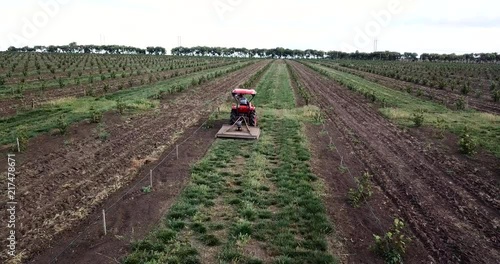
450,203
63,180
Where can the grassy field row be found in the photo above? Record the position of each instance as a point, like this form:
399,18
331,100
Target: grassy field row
249,201
403,108
65,111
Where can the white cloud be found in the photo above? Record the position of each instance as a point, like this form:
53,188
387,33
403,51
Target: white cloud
441,26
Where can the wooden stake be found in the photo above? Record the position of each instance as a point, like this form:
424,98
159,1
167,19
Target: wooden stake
18,147
177,151
151,178
104,221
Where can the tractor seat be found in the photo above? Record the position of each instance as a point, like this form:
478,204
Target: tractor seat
244,101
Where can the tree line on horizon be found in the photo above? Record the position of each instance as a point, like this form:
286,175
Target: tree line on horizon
260,53
90,49
319,54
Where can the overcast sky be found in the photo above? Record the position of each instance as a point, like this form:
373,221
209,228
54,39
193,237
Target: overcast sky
442,26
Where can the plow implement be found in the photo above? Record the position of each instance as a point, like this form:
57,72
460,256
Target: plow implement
238,131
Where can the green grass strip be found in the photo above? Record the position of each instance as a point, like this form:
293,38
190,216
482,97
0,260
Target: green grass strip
249,195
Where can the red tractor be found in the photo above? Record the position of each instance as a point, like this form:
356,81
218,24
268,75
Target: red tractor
243,107
243,121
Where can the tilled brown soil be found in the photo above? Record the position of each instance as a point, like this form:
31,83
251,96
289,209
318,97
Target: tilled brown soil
446,97
9,107
137,213
63,180
450,204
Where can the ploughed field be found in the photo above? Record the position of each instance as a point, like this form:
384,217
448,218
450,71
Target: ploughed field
100,122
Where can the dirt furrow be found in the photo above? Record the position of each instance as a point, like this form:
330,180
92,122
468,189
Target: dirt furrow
379,167
487,185
480,182
410,179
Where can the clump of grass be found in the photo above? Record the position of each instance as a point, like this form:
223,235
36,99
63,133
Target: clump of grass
418,118
461,103
146,189
102,134
318,117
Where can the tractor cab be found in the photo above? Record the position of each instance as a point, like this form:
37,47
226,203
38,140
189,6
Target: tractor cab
240,96
243,119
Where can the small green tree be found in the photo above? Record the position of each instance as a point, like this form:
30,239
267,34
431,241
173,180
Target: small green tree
441,127
496,95
392,246
61,83
121,106
465,89
493,86
95,115
362,192
467,143
43,86
62,124
106,87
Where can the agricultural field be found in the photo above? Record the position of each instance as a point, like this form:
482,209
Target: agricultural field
350,166
82,149
28,80
478,85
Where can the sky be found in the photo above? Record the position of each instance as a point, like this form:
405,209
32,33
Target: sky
440,26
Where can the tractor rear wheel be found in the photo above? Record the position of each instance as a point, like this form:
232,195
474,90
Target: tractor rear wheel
234,117
253,119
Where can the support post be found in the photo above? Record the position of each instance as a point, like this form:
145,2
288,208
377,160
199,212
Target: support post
104,221
18,146
151,178
177,151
